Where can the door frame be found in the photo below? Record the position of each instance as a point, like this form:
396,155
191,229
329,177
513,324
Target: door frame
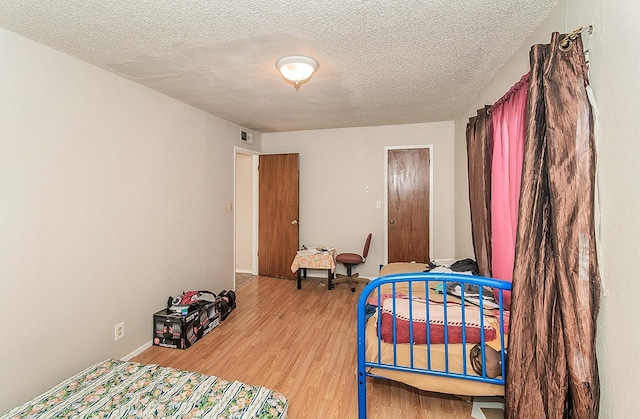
386,195
254,208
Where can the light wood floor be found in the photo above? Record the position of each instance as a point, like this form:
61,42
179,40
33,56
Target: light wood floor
242,279
301,343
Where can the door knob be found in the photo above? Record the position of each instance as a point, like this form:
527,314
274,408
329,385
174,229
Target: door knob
294,222
392,221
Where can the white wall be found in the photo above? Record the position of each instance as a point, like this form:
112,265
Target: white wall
498,86
336,164
614,50
112,198
244,212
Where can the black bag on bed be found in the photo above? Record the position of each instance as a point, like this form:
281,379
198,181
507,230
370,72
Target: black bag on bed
493,365
465,265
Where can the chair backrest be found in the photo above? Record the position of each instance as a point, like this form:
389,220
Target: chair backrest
367,243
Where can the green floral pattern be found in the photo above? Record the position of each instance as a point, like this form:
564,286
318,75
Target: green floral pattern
119,389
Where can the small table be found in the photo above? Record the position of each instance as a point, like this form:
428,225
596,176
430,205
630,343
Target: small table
325,258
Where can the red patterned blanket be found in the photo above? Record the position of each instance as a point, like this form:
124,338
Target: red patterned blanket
438,314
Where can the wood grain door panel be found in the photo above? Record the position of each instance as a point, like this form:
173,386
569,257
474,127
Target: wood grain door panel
408,196
278,205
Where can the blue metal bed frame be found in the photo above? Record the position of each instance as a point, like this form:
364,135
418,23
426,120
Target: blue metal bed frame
425,278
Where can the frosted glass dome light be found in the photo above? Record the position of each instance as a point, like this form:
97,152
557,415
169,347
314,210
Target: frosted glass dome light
297,68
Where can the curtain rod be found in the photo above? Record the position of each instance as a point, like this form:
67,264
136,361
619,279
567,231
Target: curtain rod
565,44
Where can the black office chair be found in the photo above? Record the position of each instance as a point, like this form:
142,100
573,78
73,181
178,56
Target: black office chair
350,261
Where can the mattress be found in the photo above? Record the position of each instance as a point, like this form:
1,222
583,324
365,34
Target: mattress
118,389
455,355
446,385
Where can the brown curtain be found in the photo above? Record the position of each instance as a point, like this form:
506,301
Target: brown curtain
479,172
552,367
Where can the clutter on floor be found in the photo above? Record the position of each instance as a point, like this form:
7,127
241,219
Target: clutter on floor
190,316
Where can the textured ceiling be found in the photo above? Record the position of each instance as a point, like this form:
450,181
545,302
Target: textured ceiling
381,62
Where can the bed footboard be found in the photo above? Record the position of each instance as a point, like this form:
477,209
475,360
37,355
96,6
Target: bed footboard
439,332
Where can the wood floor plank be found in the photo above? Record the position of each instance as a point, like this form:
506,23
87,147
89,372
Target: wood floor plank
301,343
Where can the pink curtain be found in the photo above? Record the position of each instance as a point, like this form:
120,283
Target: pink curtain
508,129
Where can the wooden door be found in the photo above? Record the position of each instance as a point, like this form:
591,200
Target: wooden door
278,178
408,180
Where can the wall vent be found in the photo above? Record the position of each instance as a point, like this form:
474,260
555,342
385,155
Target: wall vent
246,137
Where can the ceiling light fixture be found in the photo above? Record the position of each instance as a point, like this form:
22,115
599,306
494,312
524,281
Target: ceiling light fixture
297,68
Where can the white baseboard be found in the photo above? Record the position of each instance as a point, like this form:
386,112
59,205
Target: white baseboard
137,351
244,271
444,262
318,275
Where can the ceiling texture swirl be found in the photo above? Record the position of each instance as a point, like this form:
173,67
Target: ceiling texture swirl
381,62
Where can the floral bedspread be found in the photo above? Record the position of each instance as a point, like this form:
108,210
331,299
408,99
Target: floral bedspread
119,389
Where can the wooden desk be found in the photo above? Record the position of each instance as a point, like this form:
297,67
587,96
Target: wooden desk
321,260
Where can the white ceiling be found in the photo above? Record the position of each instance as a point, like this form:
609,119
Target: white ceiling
381,62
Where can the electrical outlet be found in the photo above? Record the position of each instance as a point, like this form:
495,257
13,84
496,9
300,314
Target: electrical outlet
119,331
